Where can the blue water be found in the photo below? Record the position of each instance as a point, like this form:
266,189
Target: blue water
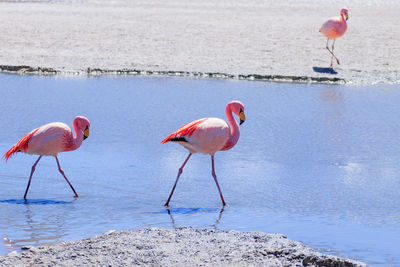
318,163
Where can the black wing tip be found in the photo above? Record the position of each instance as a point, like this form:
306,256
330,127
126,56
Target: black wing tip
178,139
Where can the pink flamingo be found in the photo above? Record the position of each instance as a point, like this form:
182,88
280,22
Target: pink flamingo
334,28
51,139
208,136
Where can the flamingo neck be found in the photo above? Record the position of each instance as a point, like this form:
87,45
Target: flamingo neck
342,18
76,141
235,132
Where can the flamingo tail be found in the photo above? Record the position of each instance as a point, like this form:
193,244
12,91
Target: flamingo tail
21,145
186,130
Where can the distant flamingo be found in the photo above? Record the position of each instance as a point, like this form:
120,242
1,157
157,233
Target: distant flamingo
334,28
208,136
51,139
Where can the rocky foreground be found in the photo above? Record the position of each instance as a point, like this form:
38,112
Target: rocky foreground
176,247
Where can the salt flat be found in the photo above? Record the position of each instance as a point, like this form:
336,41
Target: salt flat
240,37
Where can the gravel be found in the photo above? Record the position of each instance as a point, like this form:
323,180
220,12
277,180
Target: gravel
176,247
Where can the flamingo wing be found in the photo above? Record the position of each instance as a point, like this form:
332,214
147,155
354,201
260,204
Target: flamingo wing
186,130
21,145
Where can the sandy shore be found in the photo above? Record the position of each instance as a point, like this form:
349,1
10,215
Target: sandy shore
275,40
176,247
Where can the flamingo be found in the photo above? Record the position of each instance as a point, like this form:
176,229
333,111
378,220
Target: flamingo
49,140
207,136
334,28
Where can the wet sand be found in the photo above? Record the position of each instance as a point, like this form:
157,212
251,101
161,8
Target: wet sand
271,40
176,247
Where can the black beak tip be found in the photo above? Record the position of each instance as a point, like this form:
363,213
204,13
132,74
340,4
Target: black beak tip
241,122
84,137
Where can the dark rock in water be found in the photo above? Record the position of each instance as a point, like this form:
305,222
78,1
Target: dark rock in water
28,70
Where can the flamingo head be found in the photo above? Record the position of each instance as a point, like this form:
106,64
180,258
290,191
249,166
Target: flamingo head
238,108
345,12
82,123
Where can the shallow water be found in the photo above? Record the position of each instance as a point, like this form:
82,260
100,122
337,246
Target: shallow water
318,163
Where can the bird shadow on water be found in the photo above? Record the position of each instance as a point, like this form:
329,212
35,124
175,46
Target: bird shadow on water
329,70
35,202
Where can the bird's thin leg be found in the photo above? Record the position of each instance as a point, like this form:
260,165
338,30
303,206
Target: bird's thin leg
333,46
30,177
331,61
327,47
333,55
216,181
63,174
177,178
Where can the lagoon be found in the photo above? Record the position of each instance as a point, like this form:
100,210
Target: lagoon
316,162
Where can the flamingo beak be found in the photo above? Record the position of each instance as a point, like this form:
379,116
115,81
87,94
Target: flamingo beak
242,117
86,133
346,15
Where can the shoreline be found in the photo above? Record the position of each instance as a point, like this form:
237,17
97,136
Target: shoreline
48,71
184,246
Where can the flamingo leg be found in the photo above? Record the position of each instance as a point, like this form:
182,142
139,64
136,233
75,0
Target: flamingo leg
177,178
216,181
62,172
30,177
327,47
333,55
333,46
